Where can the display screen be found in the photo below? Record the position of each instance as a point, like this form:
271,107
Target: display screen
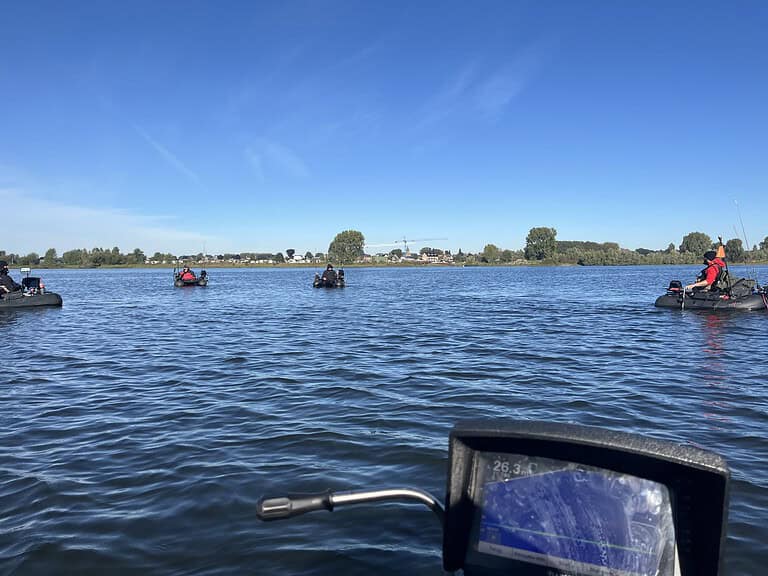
579,520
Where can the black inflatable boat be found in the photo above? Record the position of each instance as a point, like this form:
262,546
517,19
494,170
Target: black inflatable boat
201,280
31,295
743,295
25,300
323,282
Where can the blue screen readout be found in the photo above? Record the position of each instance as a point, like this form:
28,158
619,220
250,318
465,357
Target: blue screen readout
579,519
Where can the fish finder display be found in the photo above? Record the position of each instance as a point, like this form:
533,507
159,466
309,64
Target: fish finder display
561,517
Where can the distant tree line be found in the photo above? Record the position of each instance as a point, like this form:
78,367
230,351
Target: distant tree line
105,257
77,257
541,245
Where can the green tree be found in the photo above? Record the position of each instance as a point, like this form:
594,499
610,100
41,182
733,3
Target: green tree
72,257
396,252
764,244
347,247
31,259
96,256
696,242
734,250
279,258
86,258
50,258
540,243
290,252
671,248
138,257
308,255
491,253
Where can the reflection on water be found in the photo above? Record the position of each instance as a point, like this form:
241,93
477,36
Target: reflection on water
7,318
714,328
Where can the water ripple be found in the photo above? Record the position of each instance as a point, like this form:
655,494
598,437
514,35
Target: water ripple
140,427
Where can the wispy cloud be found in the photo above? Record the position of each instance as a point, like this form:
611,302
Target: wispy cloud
266,156
496,92
448,99
358,57
65,226
169,157
489,91
256,162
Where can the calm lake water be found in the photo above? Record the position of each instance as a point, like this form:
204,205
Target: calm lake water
140,423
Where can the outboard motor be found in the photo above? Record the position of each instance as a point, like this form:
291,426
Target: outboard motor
675,287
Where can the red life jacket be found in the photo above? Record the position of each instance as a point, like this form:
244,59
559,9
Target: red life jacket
718,265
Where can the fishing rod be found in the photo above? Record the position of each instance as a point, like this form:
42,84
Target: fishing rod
746,242
753,272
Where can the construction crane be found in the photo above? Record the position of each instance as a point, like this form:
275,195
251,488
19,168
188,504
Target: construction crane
405,241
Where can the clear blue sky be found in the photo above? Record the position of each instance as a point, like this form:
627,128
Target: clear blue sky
261,126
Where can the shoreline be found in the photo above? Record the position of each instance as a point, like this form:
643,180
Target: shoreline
210,265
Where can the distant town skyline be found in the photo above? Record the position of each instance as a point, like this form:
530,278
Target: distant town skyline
186,127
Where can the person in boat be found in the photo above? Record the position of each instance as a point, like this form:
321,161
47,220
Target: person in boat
710,276
187,275
7,284
329,276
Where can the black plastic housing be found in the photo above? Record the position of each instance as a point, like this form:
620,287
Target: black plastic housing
675,286
698,481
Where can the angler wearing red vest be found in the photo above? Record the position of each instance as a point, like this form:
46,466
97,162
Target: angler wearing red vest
187,274
708,276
